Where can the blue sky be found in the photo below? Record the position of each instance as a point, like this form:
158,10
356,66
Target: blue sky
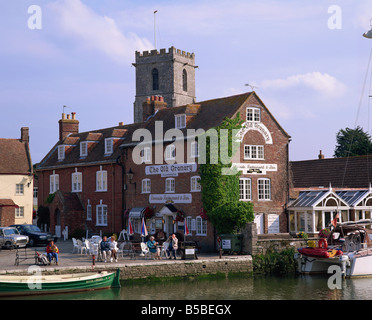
307,60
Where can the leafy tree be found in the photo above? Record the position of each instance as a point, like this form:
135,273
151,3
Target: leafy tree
352,142
220,191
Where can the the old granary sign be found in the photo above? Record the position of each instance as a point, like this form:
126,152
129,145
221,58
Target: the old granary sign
258,126
171,170
258,168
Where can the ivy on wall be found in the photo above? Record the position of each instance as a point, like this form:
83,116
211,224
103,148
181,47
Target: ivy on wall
220,182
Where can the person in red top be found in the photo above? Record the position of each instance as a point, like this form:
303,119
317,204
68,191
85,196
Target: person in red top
52,251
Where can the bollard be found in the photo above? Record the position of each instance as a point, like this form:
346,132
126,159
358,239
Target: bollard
93,261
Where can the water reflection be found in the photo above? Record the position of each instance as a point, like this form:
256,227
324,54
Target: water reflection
242,288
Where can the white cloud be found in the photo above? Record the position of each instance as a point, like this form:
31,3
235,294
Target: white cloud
322,83
93,31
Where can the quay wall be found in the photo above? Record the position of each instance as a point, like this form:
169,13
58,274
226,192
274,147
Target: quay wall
158,269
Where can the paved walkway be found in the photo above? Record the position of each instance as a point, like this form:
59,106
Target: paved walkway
68,260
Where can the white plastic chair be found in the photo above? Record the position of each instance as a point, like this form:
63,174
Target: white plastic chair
75,247
121,249
145,250
81,246
164,249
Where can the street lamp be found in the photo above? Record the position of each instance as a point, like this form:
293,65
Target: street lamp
130,177
368,34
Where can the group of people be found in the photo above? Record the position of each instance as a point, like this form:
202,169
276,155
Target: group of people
109,249
171,247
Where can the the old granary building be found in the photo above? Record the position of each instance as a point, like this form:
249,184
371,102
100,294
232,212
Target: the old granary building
97,180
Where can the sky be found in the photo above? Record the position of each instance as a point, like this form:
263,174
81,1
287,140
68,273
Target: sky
306,60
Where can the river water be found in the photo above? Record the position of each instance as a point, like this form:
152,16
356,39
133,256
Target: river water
292,287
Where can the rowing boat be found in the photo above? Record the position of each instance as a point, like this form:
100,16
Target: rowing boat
14,285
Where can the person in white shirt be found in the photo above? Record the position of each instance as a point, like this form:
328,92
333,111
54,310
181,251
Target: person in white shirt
114,249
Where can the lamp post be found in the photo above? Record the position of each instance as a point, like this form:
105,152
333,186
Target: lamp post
130,177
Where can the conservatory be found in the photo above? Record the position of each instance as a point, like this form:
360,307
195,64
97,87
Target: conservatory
314,210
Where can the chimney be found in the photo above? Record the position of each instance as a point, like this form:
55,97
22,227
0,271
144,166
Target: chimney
24,134
152,105
68,125
320,156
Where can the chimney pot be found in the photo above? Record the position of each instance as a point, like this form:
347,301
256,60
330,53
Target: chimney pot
73,114
121,123
321,156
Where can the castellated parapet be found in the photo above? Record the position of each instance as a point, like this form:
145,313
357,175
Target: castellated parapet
168,73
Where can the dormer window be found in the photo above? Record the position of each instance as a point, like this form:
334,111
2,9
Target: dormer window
61,152
83,149
253,114
109,146
180,121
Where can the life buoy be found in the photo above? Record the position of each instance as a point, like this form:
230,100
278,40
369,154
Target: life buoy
323,243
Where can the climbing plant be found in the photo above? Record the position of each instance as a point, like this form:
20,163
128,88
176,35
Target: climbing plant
220,182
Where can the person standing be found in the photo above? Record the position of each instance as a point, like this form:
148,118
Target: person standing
173,246
113,249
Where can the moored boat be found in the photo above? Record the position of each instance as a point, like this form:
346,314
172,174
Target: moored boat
349,246
14,285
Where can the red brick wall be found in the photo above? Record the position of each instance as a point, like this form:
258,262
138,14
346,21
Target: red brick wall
7,216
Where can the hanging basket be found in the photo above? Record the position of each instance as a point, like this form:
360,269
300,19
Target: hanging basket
180,216
203,214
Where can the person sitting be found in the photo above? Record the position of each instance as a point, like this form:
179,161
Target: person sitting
113,248
105,249
173,246
151,244
52,252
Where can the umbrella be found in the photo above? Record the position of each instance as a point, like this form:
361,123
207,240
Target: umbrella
186,229
143,228
130,228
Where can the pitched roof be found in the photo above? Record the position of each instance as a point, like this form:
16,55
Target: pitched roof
202,115
351,172
15,157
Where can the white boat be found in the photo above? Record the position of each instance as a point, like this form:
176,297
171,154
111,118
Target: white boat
348,246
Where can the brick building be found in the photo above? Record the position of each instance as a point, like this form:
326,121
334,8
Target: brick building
150,168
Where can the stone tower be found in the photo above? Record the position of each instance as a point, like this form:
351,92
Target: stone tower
168,74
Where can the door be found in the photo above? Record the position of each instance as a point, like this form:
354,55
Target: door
258,220
169,226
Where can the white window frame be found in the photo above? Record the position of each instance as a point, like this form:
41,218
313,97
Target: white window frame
264,189
83,149
201,226
76,181
89,211
101,214
245,189
19,212
255,152
61,152
194,149
146,154
101,180
170,152
195,186
253,114
180,121
20,189
170,185
109,146
146,186
53,182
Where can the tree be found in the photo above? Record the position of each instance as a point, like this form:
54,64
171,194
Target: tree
352,142
220,192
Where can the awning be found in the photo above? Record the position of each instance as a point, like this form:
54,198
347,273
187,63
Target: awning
140,212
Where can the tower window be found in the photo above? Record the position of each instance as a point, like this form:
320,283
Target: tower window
184,80
155,79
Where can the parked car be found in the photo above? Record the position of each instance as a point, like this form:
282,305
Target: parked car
11,238
35,235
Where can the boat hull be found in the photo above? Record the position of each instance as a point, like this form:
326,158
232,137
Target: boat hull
31,285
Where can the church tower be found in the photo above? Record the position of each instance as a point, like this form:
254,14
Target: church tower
168,74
